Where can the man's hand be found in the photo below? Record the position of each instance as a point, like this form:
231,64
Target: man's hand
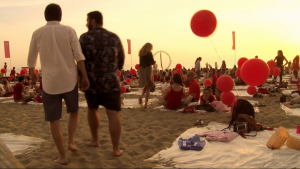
84,85
34,76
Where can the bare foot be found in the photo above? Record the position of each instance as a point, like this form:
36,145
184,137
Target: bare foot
72,148
92,143
117,153
62,160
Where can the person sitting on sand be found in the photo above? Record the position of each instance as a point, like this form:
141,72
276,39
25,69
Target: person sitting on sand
293,103
2,93
165,86
207,96
194,88
19,90
7,88
174,94
163,77
294,78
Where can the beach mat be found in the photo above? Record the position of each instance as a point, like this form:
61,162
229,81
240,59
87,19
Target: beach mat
20,144
251,152
290,112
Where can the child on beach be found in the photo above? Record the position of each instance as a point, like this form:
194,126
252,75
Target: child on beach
165,86
294,78
7,89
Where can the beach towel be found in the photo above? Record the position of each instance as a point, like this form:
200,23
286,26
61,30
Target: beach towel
193,143
222,136
290,112
20,144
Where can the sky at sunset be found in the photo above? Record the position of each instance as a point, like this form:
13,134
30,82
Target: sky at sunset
262,27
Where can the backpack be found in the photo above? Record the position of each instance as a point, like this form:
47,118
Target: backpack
245,124
241,106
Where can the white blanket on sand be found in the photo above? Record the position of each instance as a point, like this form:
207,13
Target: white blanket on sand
4,98
31,102
290,112
20,144
251,152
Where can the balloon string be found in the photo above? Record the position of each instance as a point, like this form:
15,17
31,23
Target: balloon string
214,48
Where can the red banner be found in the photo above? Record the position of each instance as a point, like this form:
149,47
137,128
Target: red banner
6,49
129,46
233,39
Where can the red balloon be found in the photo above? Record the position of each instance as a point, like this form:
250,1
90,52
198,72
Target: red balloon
9,79
272,71
133,78
178,66
255,72
25,70
241,61
123,89
277,71
225,83
119,73
271,63
178,71
128,80
3,71
203,23
227,98
137,66
238,73
132,72
22,73
251,90
12,76
207,82
36,71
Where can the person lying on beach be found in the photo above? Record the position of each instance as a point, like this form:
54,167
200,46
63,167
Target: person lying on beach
218,94
19,90
174,94
193,95
207,96
293,103
165,86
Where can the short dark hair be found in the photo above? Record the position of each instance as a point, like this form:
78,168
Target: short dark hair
177,79
53,12
167,78
21,78
13,67
97,16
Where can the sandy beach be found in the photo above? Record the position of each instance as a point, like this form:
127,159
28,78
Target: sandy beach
145,132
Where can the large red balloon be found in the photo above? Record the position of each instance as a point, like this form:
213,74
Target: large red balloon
128,80
277,71
225,83
227,98
251,90
132,72
3,71
22,73
123,89
178,66
271,63
203,23
238,73
255,72
178,71
241,61
137,66
272,71
207,82
25,70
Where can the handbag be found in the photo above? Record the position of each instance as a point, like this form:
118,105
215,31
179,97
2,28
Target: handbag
205,107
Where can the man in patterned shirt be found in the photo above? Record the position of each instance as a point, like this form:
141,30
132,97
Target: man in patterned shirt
104,56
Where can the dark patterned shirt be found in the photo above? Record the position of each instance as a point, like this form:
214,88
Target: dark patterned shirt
104,57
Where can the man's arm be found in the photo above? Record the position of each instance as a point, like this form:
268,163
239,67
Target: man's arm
32,58
121,54
286,61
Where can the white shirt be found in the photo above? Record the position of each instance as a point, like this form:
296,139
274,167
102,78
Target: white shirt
155,66
57,46
197,67
294,78
165,86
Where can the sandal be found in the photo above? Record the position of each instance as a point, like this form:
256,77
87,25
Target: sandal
199,122
146,107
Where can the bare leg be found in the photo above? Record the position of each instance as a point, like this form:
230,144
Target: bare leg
161,100
188,100
147,95
73,121
143,92
114,130
94,122
59,142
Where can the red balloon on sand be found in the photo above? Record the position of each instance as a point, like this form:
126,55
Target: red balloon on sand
203,23
225,83
271,63
251,90
277,71
255,72
238,73
227,98
241,61
132,72
272,71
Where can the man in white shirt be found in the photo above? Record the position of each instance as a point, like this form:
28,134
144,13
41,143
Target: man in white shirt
58,47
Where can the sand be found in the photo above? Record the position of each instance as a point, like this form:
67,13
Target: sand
144,132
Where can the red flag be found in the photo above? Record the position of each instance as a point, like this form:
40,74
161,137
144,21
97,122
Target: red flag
233,39
129,46
6,49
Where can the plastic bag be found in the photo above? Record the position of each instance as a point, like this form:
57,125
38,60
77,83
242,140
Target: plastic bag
278,138
293,143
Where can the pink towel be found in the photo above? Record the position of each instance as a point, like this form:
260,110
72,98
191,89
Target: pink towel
222,136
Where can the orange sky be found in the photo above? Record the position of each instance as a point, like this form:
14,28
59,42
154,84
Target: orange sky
262,27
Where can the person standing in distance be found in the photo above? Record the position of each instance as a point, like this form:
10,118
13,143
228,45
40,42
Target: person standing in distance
198,67
104,57
279,63
58,47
